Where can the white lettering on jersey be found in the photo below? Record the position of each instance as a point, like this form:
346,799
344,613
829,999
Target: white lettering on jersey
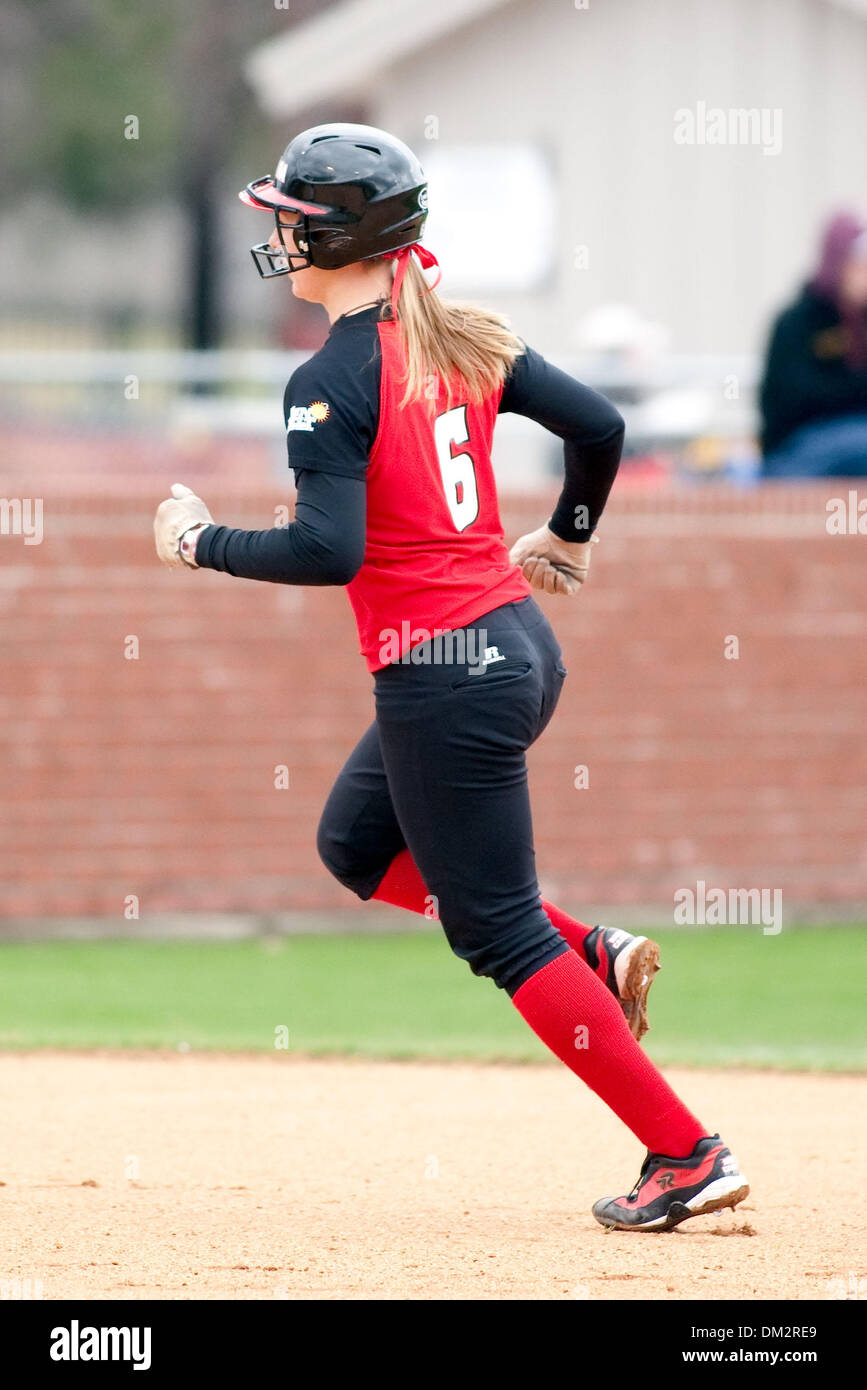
458,470
299,418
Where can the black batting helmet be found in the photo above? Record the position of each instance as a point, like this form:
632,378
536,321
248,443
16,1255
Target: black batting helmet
356,192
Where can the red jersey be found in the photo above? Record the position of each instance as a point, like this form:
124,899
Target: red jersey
399,504
435,556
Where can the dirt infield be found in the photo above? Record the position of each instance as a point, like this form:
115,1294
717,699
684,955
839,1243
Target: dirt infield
202,1176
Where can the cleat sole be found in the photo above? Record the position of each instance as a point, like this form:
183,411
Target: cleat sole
725,1192
643,965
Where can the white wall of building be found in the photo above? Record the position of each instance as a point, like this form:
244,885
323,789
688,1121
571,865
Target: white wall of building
707,239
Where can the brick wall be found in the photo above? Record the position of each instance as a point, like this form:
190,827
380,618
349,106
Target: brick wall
155,776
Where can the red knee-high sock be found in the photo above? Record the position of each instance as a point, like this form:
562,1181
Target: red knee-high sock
569,928
574,1014
560,998
402,886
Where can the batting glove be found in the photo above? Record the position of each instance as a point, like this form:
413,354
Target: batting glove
176,515
552,565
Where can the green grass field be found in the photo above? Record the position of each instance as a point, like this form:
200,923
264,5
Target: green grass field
725,996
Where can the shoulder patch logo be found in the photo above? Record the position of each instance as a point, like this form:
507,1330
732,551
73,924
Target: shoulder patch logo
299,418
304,417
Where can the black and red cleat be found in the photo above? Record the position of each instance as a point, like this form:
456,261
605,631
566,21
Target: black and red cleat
669,1190
627,965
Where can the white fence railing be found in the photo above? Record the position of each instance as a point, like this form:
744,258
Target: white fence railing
667,402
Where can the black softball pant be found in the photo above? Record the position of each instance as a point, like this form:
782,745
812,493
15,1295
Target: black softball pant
442,772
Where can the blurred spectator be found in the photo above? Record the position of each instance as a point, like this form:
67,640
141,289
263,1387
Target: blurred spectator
813,395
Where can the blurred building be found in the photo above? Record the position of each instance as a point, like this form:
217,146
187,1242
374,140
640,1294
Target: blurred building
676,157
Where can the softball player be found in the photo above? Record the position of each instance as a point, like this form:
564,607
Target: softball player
389,430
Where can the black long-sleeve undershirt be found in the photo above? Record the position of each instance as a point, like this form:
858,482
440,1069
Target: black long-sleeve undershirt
592,431
323,545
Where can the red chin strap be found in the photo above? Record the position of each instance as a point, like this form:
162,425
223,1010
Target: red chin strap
425,258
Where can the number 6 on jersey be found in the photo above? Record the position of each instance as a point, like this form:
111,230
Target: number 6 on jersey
458,470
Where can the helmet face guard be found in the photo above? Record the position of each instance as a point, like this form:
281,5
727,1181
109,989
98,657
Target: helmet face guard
291,255
292,217
269,262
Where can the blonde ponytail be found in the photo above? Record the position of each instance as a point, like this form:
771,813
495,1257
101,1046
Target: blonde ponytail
443,338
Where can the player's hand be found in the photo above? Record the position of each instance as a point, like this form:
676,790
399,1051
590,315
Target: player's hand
552,565
175,516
